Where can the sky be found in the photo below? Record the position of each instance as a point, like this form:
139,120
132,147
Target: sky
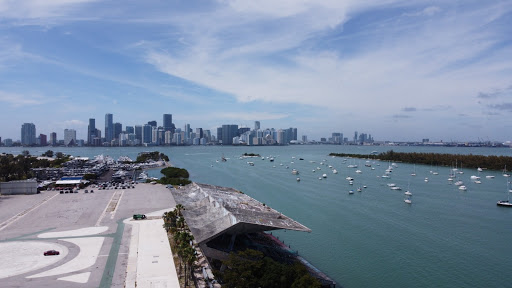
399,70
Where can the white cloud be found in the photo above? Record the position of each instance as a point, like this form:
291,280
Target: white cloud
18,100
28,9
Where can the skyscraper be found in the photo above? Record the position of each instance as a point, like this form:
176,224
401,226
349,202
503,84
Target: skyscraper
53,138
228,133
256,125
109,127
138,133
147,134
69,137
118,129
28,134
167,123
152,123
91,131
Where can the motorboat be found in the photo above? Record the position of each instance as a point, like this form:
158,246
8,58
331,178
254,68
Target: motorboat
324,175
295,172
349,178
408,193
335,171
489,176
463,188
351,192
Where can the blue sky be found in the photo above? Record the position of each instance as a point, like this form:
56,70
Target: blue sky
399,70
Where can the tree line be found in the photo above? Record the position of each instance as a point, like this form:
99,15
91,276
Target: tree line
491,162
18,167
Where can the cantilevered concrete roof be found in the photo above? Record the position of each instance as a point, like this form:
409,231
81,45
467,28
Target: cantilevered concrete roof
214,210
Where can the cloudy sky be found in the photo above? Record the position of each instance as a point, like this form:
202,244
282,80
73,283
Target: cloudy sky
399,70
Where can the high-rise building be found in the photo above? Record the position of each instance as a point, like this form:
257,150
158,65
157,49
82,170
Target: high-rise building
91,131
256,125
294,134
305,138
42,139
28,134
152,123
8,142
167,122
118,129
199,133
130,130
53,138
138,133
355,137
109,127
147,134
69,137
281,137
228,133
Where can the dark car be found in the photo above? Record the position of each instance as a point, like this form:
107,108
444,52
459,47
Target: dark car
51,252
139,216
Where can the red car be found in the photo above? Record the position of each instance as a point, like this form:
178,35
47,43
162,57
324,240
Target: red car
51,252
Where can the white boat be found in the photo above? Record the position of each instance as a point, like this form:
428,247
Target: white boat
408,193
477,182
349,178
435,173
359,189
351,192
324,175
473,177
250,163
396,188
505,174
408,200
359,171
506,203
385,176
335,171
298,179
463,188
414,171
391,184
459,183
295,172
479,169
489,176
426,179
350,183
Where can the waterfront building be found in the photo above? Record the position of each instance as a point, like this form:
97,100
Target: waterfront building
187,132
8,142
294,134
305,138
69,137
129,130
28,134
53,138
337,138
176,138
91,131
355,137
109,127
118,129
168,137
138,133
207,135
167,122
219,134
256,125
228,132
147,134
281,140
199,132
42,140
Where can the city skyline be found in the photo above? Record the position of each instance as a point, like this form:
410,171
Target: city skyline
398,70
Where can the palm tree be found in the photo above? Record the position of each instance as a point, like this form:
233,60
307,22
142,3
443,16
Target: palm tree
178,209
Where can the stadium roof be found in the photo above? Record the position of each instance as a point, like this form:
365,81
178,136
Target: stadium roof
214,210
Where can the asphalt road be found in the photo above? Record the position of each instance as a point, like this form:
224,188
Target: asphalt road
87,229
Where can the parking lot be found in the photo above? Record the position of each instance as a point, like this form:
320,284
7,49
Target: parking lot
88,229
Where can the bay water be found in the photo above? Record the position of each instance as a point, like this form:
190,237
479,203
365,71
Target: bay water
445,238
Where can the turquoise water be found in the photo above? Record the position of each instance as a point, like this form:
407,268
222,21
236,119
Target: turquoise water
446,238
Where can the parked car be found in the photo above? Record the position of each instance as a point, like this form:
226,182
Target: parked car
86,191
139,216
51,252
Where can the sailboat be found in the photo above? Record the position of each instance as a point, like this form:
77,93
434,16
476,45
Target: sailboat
414,171
505,174
506,203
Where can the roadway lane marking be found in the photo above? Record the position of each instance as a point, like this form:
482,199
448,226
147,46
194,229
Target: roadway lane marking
105,211
113,213
18,216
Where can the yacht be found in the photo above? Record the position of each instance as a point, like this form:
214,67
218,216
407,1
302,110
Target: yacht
506,203
351,192
489,176
335,171
463,188
408,193
408,200
295,172
324,175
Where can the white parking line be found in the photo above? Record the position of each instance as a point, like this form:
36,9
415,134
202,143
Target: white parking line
113,213
18,216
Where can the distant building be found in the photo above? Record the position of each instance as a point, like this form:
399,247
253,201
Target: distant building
138,133
109,127
53,139
147,134
28,134
69,137
8,142
130,130
152,123
118,129
167,123
256,125
18,187
91,131
228,133
43,140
